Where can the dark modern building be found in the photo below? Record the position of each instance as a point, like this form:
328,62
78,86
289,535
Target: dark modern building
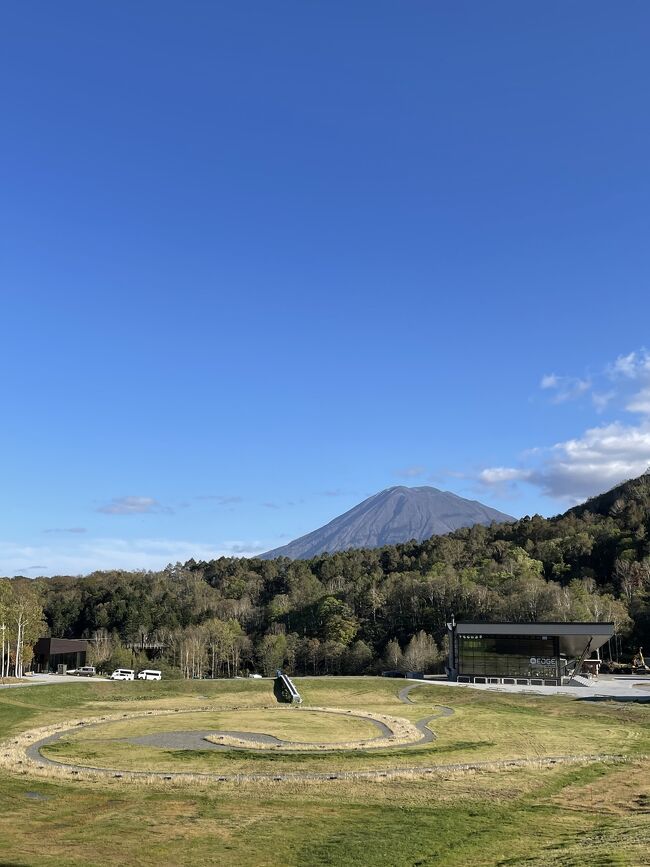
49,653
536,654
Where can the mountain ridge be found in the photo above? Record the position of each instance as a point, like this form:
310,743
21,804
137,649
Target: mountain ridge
389,517
635,491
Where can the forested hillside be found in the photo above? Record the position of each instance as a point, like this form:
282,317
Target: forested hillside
360,611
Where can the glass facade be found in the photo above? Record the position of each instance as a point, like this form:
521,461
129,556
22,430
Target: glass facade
522,656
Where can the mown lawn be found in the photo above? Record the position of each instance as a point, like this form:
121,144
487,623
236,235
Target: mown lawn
596,814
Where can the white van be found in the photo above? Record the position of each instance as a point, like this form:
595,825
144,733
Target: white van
123,674
149,674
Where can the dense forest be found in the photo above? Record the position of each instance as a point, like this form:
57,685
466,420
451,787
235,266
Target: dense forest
360,610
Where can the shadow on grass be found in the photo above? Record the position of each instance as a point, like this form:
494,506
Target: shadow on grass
328,757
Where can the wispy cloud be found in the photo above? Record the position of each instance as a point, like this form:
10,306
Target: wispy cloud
603,455
335,492
92,554
501,475
221,499
273,504
640,402
411,472
133,506
635,365
601,400
564,388
73,530
244,549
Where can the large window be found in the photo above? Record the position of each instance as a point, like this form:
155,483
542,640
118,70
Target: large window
508,655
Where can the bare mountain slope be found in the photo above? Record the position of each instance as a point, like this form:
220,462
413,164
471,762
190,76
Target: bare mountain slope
392,516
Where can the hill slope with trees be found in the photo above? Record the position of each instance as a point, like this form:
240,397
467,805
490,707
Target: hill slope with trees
360,610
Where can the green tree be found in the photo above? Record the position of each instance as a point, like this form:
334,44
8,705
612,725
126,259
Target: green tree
358,658
121,657
337,621
271,653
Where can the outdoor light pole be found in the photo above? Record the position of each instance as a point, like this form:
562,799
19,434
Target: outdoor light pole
451,630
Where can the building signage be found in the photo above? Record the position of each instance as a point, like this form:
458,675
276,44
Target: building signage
543,660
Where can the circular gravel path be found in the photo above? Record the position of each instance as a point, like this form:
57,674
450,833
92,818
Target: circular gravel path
184,740
178,741
195,740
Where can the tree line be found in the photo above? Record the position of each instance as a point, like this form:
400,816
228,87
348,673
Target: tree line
360,611
21,624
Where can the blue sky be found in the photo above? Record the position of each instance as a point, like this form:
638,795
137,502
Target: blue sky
259,261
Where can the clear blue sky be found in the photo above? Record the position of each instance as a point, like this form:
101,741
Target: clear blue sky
260,260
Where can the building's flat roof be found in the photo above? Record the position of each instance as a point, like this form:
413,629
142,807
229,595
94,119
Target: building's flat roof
556,628
539,622
573,636
60,645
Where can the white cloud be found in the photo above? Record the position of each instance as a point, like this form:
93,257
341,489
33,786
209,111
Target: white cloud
640,402
412,472
133,506
631,366
113,553
244,549
221,499
624,365
565,388
73,530
501,475
550,381
581,467
601,400
603,455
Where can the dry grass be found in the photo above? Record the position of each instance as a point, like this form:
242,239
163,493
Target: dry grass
485,727
570,814
402,731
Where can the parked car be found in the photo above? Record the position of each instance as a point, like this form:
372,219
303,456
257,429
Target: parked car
149,674
256,676
84,671
123,674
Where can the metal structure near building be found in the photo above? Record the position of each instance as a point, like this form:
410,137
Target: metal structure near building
285,689
534,654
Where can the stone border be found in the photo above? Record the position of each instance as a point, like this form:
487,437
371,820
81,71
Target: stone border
21,755
395,732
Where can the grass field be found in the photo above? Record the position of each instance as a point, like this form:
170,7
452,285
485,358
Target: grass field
596,813
284,722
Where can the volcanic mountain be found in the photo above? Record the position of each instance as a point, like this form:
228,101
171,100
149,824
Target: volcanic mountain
392,516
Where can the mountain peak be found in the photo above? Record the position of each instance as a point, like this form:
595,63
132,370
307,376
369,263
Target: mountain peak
394,515
408,489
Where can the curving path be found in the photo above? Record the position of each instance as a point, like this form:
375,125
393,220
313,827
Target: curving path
404,695
33,751
184,740
195,740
